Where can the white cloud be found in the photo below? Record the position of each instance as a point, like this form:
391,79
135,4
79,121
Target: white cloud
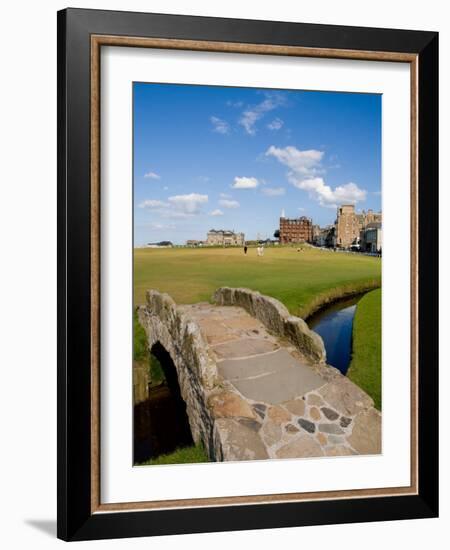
216,212
178,206
225,196
328,197
248,121
220,126
152,176
234,103
245,183
251,115
274,191
158,226
188,204
226,203
307,163
176,214
276,124
304,169
152,203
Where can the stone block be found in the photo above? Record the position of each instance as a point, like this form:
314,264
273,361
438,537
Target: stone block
239,442
295,406
228,404
307,341
314,399
301,447
366,434
345,396
271,432
278,415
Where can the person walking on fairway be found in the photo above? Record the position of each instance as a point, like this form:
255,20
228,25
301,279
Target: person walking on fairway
245,249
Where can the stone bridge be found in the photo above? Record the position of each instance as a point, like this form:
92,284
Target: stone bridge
255,380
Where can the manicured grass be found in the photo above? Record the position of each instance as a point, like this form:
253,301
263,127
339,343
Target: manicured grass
301,280
365,367
186,455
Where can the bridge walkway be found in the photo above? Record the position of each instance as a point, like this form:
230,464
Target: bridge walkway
281,404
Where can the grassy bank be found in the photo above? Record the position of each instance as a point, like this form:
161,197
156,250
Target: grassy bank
365,367
302,281
186,455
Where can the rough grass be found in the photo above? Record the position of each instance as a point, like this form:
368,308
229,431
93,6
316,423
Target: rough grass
365,367
142,355
185,455
140,349
303,281
156,372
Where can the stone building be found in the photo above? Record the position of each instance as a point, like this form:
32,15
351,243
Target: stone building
316,233
325,236
349,224
224,237
295,230
371,217
194,243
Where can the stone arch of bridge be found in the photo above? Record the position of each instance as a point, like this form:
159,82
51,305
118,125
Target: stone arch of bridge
180,421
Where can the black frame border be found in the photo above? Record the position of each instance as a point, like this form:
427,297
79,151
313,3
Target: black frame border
75,520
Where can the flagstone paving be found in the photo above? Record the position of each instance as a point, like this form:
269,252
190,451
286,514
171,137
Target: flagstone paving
272,401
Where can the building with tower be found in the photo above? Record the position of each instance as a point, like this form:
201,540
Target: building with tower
350,224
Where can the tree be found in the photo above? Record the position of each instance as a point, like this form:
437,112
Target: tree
277,234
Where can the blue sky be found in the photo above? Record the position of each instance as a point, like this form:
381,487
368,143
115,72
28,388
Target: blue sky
232,158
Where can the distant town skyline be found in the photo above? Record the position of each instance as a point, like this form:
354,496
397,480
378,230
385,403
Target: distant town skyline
210,157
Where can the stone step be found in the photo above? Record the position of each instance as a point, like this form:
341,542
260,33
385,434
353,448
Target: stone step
272,378
244,347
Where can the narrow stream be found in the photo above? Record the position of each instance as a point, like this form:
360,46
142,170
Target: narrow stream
335,324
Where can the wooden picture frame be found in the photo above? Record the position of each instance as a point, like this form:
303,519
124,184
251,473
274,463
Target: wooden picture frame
81,35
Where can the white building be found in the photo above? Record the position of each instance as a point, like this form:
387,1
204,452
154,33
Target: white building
372,238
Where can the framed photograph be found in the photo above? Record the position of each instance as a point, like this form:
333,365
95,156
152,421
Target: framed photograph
247,258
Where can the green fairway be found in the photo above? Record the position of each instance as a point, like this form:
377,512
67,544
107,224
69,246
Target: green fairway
301,280
365,368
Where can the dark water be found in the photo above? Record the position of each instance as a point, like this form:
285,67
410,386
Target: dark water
161,424
335,324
